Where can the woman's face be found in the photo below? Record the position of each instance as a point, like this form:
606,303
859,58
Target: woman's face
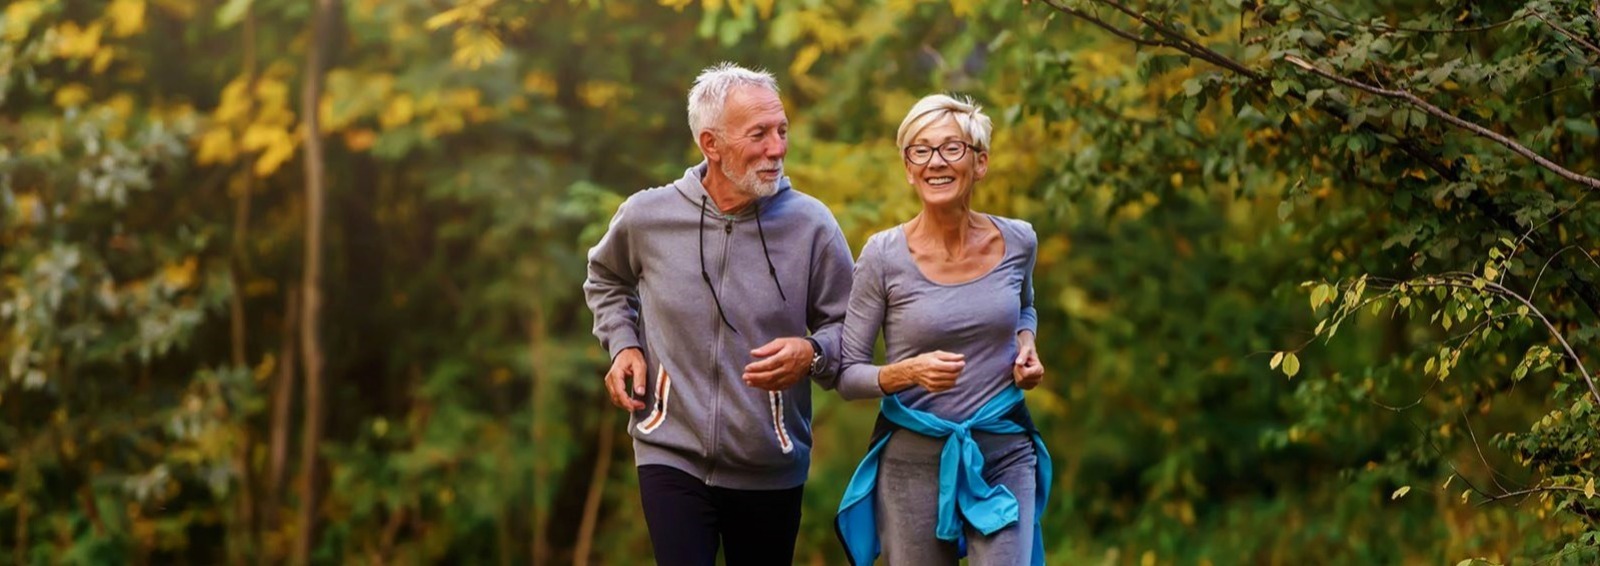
940,180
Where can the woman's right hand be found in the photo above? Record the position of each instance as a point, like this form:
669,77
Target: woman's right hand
935,371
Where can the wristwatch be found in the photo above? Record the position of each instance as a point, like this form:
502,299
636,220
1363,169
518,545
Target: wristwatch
816,357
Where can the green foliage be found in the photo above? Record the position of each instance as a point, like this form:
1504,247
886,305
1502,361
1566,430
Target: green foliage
1199,174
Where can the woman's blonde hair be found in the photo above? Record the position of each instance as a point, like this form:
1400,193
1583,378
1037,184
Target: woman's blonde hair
934,107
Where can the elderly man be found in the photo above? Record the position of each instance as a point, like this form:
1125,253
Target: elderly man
717,296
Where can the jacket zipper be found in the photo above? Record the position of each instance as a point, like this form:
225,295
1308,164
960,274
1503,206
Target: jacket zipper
716,357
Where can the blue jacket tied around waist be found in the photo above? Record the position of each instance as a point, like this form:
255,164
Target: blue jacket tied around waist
961,486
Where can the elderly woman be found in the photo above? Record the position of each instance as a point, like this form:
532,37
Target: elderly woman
952,292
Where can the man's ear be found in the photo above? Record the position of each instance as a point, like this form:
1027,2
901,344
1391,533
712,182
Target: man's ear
709,146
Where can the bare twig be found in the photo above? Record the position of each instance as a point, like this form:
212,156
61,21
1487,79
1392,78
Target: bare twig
1535,290
1414,100
1494,475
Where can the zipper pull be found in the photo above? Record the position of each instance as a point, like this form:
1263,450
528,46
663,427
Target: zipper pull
729,228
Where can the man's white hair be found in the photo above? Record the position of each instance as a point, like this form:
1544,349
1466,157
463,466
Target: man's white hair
934,107
710,93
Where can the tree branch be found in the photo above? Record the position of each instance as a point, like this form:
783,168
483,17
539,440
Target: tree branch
1529,491
1385,28
1414,100
1569,34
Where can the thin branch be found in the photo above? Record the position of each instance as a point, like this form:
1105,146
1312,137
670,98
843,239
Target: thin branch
1447,460
1412,99
1119,32
1386,28
1569,34
1577,361
1530,491
1494,475
1200,51
1535,290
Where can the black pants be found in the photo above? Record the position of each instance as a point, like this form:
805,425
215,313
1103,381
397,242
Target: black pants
687,518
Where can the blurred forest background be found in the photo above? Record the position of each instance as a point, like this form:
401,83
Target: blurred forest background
297,281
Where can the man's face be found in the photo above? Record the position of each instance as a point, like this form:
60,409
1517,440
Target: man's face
755,136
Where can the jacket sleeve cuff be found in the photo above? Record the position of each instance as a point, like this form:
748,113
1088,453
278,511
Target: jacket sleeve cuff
622,342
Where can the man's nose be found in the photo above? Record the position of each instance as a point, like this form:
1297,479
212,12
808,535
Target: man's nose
777,147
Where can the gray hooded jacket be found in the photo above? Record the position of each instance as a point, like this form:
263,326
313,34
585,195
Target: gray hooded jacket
696,290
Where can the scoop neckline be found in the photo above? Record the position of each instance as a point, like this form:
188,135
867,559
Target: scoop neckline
1005,249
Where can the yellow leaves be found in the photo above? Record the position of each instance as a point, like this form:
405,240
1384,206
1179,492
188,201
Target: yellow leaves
963,8
73,42
72,95
19,16
277,146
804,59
475,42
250,119
763,8
180,276
127,17
539,83
1399,493
600,94
475,47
235,101
1588,489
27,209
216,146
398,112
445,18
677,5
827,32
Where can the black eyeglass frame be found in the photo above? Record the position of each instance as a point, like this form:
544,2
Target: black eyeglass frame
940,151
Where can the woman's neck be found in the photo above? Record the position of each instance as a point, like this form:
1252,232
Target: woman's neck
947,230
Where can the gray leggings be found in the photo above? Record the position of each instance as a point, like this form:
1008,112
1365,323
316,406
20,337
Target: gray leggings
908,499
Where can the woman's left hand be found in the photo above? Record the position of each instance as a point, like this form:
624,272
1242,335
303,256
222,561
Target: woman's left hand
1027,371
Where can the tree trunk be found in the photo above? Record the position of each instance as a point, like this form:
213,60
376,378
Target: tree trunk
282,402
597,486
541,466
310,320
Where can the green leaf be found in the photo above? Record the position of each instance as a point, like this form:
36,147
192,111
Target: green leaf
1192,87
1284,208
232,13
1581,127
1291,364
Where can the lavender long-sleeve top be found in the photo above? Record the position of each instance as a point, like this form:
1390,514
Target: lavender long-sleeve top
979,318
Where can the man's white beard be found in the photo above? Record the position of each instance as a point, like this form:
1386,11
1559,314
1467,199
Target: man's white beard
750,182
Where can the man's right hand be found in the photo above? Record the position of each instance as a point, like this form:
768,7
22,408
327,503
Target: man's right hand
629,364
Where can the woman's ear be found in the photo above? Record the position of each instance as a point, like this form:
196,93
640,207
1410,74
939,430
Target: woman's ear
980,166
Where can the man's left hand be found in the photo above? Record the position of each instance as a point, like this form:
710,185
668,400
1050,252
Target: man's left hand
779,364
